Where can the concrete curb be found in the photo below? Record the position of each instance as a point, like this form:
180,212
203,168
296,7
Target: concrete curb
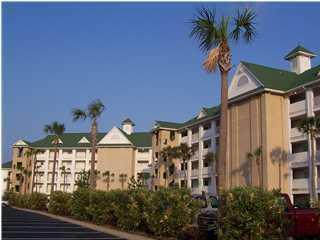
104,229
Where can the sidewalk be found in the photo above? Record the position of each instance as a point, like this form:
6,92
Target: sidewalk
104,229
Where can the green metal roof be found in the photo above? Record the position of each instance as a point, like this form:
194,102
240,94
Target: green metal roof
71,140
279,79
163,124
7,164
296,50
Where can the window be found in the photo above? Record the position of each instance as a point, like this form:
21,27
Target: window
143,161
217,142
206,181
206,163
194,165
165,141
156,154
243,80
195,147
299,173
296,121
194,183
298,147
183,166
301,200
143,150
17,188
195,130
183,183
207,126
156,171
297,97
157,138
207,144
20,151
184,133
164,175
171,169
172,135
19,165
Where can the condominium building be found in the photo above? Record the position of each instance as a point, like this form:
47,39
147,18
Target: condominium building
265,106
5,176
121,151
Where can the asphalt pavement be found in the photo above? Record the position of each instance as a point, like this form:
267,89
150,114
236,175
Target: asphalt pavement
18,224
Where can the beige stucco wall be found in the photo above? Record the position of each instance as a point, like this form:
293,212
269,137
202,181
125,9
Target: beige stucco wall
253,122
117,160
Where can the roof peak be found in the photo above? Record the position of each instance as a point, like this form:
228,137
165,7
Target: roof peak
299,50
128,120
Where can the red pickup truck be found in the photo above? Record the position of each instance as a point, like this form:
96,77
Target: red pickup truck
305,221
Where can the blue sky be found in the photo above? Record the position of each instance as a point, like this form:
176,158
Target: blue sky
136,57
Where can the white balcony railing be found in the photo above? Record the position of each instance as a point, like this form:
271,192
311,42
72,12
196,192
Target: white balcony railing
80,155
205,151
207,133
195,137
195,155
184,139
207,171
194,172
316,102
66,155
295,133
299,157
195,190
298,107
300,184
41,156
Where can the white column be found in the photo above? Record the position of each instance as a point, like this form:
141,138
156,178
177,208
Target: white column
214,149
46,166
189,162
88,158
73,169
200,177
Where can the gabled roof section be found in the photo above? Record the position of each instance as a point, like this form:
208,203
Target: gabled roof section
21,143
83,140
115,137
171,125
272,78
6,165
299,50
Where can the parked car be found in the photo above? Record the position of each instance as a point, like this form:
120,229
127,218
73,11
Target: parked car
207,219
305,222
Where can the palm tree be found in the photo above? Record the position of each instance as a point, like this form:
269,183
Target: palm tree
256,155
21,177
36,173
167,155
27,174
108,178
64,172
311,127
214,37
93,111
184,152
56,129
122,179
29,154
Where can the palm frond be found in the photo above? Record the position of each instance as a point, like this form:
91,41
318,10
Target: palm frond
55,128
47,129
78,114
204,29
210,64
95,109
244,25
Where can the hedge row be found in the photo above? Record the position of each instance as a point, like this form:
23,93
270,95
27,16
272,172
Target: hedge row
167,212
36,201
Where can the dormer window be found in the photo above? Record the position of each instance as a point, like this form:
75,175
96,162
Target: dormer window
202,113
243,80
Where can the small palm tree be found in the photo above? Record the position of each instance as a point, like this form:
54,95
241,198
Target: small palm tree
64,172
122,179
56,129
167,155
29,154
21,177
214,39
108,177
311,127
184,152
93,111
36,173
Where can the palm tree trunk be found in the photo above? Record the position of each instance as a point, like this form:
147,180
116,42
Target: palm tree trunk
34,172
259,173
54,169
93,153
185,172
221,183
314,195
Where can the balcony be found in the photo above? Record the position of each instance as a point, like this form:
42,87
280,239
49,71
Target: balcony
195,137
207,171
316,102
81,155
66,155
298,108
300,157
195,190
41,156
300,184
295,133
207,134
194,172
195,155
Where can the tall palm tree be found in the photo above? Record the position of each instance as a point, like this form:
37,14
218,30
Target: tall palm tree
184,152
93,111
311,127
256,155
214,39
167,155
122,179
31,152
108,178
56,129
64,172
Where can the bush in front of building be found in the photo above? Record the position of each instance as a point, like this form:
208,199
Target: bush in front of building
80,202
60,203
251,213
36,201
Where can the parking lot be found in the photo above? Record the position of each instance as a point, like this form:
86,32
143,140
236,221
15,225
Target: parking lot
17,224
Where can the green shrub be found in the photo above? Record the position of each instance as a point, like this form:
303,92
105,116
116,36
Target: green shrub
251,213
79,203
170,210
37,201
60,203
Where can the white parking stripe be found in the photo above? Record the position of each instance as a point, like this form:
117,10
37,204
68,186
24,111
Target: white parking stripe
37,227
103,238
